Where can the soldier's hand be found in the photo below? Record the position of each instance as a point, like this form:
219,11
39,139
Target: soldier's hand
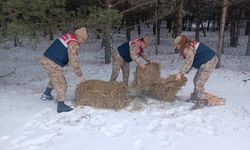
178,77
142,66
81,79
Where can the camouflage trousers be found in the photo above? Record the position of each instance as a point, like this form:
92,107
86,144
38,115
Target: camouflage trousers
57,79
117,64
202,76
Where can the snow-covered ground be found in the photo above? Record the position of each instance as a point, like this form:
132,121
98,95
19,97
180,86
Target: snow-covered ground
28,123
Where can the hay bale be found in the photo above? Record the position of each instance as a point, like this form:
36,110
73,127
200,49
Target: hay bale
102,94
167,89
145,77
149,82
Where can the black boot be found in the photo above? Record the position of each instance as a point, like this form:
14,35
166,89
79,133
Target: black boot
61,107
201,103
47,94
192,99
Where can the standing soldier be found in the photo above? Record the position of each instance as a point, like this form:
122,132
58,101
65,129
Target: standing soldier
63,51
126,53
201,57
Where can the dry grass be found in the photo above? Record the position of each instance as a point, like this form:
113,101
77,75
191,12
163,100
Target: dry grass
148,80
167,89
145,77
102,94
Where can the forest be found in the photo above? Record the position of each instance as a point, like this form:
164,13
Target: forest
33,19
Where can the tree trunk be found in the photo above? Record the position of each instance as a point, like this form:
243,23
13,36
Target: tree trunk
213,24
98,36
128,29
178,21
154,28
184,24
180,17
226,25
197,31
232,27
190,23
107,46
139,29
107,38
220,45
238,25
247,27
235,26
121,25
248,44
198,19
169,25
17,42
218,23
203,29
158,32
208,24
34,40
175,25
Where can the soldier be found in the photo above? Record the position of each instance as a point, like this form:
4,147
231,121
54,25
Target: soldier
201,57
126,53
63,51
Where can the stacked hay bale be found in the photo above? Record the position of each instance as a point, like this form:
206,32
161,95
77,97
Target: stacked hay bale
102,94
148,80
167,89
145,77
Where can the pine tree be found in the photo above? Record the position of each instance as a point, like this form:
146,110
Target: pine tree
26,17
105,20
12,22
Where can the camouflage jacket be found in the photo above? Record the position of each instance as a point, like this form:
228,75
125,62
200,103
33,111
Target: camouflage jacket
73,51
189,54
134,54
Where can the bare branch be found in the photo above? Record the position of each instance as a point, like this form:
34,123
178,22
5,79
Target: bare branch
137,6
101,3
117,3
152,19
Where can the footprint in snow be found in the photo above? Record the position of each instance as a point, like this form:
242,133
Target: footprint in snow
115,130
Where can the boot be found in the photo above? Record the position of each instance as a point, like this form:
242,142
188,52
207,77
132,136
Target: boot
61,107
201,103
47,94
192,99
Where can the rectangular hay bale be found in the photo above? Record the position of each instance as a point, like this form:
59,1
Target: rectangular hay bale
145,77
102,94
150,83
167,89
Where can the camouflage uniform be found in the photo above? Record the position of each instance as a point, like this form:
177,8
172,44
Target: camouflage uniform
202,73
119,63
55,71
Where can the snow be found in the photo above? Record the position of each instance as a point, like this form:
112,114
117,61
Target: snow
28,123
